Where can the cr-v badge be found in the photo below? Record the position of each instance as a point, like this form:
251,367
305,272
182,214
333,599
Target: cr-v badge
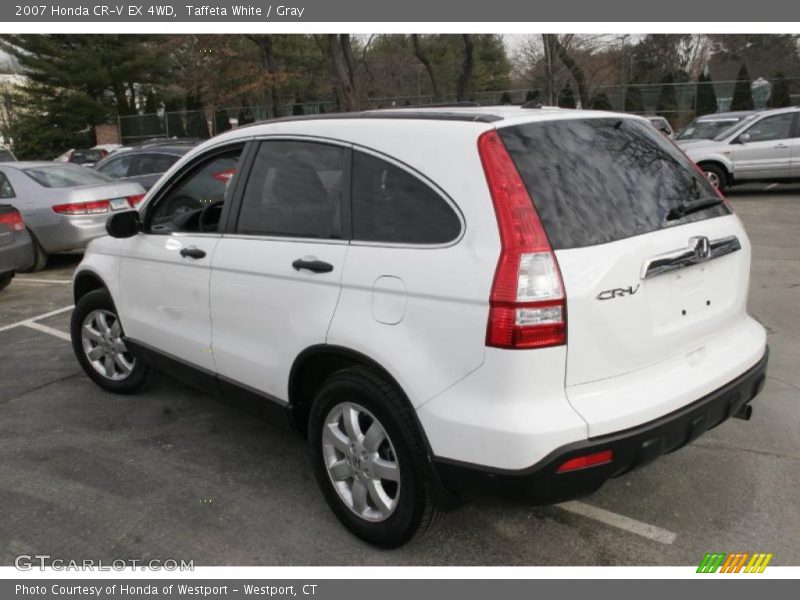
618,293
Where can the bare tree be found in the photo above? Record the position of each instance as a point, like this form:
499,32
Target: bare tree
562,47
343,69
266,45
465,78
423,58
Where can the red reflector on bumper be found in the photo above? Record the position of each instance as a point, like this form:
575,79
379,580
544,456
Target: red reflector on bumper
590,460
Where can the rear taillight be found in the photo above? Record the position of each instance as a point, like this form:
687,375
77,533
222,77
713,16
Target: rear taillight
527,305
13,220
83,208
134,201
224,176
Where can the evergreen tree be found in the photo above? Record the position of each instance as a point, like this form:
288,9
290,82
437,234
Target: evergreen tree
297,109
633,99
174,119
780,96
742,91
505,98
566,99
222,121
196,124
706,96
667,99
532,95
74,82
151,124
601,102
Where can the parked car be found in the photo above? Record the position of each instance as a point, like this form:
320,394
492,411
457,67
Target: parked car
6,155
87,157
708,127
661,124
16,247
765,147
444,301
142,164
64,206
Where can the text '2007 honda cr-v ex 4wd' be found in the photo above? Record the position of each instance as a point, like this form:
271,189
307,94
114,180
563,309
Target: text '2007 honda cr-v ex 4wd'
443,300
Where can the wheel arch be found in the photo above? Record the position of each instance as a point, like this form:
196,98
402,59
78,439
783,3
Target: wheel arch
86,281
717,163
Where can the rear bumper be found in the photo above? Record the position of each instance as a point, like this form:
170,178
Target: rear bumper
632,448
18,255
72,232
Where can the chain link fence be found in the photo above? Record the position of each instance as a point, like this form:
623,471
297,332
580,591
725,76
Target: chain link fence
678,102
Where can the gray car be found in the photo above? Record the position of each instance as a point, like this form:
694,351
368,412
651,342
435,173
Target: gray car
16,246
64,206
762,147
144,164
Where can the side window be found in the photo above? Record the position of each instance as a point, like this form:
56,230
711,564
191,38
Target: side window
116,168
193,201
295,189
6,191
391,205
778,127
148,164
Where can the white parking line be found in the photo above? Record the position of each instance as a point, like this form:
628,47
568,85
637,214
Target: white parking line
45,329
645,530
40,280
32,320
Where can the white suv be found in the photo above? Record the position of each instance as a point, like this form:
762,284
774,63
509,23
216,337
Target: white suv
443,301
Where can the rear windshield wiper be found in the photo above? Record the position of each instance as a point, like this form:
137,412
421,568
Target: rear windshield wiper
692,206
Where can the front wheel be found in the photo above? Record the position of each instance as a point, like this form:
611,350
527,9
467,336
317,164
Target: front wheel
5,279
717,176
369,458
98,342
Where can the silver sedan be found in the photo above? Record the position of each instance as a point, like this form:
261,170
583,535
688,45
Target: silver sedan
64,206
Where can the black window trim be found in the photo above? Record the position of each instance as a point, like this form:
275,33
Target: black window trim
179,177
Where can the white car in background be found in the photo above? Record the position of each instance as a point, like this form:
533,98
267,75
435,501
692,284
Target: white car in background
762,147
444,301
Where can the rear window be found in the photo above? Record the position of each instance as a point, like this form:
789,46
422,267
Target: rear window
595,181
58,176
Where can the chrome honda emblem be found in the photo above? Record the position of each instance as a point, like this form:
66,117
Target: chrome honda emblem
701,247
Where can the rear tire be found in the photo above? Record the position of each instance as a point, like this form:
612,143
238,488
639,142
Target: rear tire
717,176
5,279
373,471
98,343
40,256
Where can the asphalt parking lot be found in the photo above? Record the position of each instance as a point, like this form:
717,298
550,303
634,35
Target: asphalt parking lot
172,473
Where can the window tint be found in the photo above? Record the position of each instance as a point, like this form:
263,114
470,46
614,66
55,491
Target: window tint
147,164
594,181
6,191
778,127
205,185
117,167
391,205
295,189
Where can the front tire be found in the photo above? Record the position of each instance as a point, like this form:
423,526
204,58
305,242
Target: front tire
369,458
717,176
98,343
5,279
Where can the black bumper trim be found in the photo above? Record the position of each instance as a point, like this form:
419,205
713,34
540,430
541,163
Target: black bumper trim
633,448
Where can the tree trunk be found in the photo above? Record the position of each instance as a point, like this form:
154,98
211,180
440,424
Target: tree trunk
347,100
265,43
465,79
549,92
574,68
423,58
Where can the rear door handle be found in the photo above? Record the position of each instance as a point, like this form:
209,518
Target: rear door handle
782,146
314,265
192,252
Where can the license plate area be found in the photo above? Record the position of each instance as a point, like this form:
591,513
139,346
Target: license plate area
119,203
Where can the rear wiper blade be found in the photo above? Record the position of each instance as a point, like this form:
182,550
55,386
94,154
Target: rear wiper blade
692,206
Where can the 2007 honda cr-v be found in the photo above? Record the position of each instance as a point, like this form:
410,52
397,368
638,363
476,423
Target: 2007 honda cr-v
443,300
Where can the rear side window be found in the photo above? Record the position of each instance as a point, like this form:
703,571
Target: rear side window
595,181
117,167
391,205
149,164
6,191
295,189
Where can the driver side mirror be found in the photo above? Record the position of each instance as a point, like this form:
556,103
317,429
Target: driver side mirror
123,224
744,138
